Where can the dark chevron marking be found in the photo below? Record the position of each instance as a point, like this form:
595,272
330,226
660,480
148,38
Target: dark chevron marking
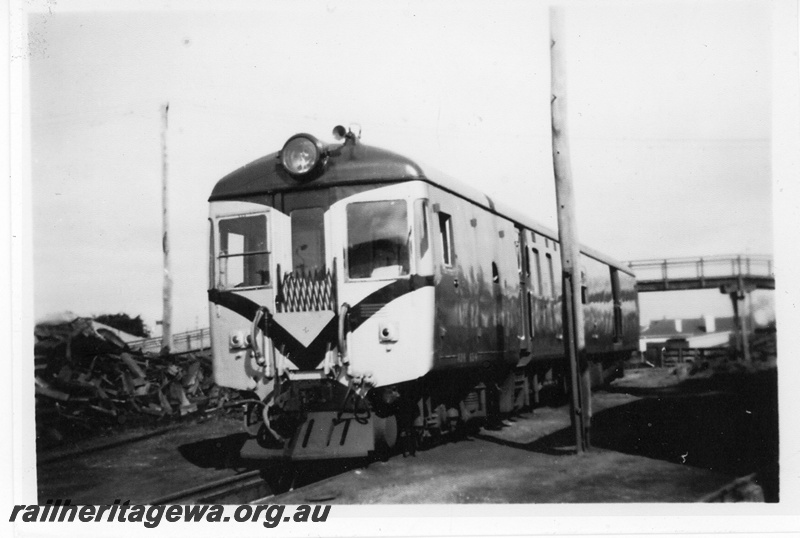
308,358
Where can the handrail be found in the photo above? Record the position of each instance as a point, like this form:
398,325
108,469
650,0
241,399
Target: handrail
263,311
344,311
715,257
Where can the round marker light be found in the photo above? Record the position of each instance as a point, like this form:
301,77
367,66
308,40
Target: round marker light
301,154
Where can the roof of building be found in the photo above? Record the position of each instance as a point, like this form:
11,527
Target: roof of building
668,328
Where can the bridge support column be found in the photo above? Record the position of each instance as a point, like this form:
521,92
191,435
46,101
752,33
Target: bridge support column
740,292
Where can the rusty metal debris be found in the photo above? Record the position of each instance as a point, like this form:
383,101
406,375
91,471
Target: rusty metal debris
87,379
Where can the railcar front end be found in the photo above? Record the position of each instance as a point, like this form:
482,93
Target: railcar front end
321,294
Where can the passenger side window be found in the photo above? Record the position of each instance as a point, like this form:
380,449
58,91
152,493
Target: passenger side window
531,314
553,290
615,292
527,262
537,270
584,288
446,234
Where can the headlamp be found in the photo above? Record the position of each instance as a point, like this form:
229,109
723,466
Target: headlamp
301,154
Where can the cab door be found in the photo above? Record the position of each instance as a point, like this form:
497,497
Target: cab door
247,245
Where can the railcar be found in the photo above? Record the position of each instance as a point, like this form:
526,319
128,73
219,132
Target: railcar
359,297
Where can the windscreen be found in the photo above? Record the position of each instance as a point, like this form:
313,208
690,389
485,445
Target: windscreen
308,239
378,239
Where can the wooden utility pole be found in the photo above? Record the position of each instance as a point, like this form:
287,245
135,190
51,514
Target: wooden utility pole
574,339
166,319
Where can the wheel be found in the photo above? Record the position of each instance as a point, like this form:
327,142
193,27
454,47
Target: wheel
385,432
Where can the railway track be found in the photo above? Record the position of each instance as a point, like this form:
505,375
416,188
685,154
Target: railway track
257,486
82,450
239,489
198,465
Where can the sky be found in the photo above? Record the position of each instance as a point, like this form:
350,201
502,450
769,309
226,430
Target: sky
670,125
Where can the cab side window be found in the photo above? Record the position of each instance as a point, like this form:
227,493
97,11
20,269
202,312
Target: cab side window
423,241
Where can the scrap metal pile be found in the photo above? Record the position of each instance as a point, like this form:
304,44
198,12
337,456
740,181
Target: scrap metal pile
88,378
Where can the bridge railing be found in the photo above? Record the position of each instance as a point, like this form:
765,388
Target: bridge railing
704,267
185,342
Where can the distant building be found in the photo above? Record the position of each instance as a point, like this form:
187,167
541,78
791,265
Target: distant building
692,333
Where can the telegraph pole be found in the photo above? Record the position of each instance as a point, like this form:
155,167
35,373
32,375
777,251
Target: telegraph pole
574,339
166,319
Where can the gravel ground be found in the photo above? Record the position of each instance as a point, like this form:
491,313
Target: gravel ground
529,460
147,469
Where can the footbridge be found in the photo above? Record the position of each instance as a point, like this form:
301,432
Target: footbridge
728,273
185,342
735,275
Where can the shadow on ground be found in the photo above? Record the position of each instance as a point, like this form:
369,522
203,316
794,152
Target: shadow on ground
216,453
727,425
281,475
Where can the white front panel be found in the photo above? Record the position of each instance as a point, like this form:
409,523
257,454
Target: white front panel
410,355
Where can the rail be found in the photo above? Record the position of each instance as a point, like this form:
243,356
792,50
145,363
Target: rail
185,342
703,272
237,489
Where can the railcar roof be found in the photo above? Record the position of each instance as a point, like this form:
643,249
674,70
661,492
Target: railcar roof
359,163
